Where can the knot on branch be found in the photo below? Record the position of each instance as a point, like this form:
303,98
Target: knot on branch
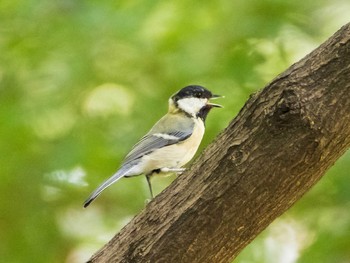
291,113
288,107
291,118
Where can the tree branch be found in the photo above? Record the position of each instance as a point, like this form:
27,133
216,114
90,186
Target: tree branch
280,144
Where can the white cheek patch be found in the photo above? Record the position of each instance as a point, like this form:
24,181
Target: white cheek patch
192,105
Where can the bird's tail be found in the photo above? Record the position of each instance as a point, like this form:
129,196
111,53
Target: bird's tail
122,172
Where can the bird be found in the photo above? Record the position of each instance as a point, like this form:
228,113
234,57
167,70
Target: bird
172,141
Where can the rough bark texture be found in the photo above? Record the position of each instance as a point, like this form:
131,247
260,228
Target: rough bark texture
280,144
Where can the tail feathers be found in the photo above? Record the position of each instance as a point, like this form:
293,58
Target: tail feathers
104,185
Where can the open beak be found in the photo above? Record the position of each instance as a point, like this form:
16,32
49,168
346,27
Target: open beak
213,97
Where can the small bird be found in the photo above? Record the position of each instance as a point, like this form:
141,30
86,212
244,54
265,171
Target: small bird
172,141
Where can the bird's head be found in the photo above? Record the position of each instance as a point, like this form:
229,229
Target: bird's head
193,100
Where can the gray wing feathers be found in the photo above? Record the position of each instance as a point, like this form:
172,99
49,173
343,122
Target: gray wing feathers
150,142
179,127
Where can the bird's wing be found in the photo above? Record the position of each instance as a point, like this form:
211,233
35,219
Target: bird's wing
160,136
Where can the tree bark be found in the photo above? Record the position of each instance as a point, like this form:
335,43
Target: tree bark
281,143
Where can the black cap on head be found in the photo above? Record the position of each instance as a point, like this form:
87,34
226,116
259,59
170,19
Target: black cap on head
192,91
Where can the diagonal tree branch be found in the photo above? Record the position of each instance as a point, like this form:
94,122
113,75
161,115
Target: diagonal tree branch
280,144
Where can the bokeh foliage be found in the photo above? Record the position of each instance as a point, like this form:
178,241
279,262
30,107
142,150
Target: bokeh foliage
81,81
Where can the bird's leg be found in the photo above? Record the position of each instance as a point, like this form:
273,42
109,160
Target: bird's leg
148,177
172,170
162,170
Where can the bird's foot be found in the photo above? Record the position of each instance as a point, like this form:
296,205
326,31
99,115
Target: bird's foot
148,200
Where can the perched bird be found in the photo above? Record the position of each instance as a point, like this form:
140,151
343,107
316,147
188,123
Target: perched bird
172,141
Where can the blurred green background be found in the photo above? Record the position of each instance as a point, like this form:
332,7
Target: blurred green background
82,81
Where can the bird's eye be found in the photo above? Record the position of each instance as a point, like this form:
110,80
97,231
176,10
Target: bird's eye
198,95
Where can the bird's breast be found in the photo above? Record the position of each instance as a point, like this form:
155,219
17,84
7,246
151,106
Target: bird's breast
189,147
